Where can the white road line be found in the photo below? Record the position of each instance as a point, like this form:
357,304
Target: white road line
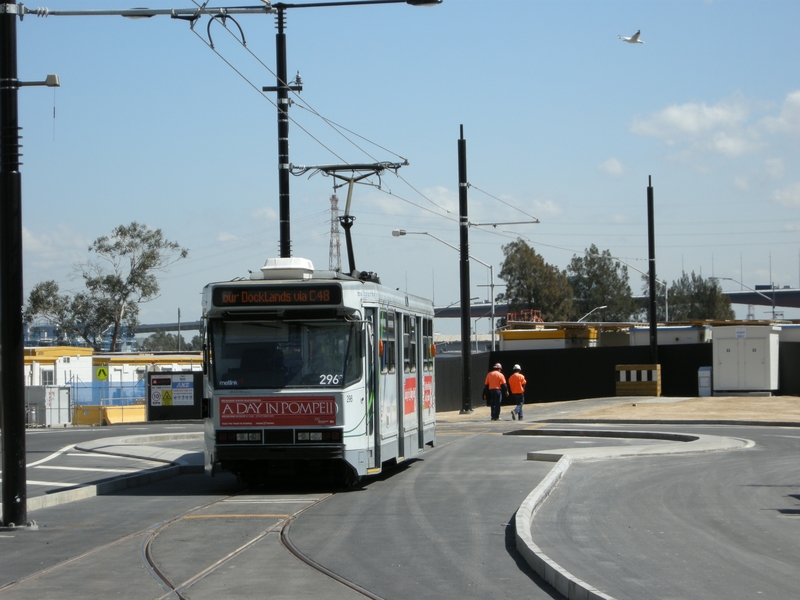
92,469
51,483
113,456
52,456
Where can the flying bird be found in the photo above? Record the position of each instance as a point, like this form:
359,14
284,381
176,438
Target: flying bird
634,39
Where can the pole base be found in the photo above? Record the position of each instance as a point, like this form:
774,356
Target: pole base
31,526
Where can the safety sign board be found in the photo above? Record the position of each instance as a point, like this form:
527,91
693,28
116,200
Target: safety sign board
172,390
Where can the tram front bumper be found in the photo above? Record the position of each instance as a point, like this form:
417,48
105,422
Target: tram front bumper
295,452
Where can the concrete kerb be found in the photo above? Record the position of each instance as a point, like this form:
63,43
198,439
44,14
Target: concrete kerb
562,580
177,462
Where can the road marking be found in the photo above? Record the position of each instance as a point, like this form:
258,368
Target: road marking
93,469
50,483
53,455
237,516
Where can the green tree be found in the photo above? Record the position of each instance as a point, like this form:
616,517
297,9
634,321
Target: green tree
117,281
663,301
598,279
692,297
167,342
532,283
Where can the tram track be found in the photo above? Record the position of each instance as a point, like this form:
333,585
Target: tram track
175,575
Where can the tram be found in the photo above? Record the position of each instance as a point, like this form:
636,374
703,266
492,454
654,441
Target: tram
315,372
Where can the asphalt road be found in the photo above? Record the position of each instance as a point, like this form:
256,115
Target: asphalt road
52,462
714,525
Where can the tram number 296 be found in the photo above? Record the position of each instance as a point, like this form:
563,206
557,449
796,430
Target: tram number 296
329,379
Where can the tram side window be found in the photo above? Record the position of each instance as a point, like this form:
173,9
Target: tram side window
427,345
387,342
409,344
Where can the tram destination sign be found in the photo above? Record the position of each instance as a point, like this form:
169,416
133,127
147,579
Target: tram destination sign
320,294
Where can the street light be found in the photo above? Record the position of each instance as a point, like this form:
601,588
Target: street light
401,232
591,311
752,290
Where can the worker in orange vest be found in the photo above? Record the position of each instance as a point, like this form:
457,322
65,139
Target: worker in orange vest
516,385
495,387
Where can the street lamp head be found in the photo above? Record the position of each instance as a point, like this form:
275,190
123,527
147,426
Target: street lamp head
423,2
398,232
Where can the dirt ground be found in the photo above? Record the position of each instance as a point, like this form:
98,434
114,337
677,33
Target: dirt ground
721,408
781,409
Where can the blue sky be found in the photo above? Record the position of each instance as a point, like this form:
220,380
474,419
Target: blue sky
563,121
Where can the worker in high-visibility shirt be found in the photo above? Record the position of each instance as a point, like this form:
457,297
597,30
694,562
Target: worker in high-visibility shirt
494,389
516,385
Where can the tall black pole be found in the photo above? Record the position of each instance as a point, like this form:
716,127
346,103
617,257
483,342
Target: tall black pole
283,88
466,359
651,243
12,380
283,137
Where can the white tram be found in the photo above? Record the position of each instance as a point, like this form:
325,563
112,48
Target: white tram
315,371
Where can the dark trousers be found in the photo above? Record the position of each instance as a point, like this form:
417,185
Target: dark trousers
495,399
519,400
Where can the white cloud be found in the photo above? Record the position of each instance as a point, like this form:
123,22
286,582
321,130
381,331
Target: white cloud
720,128
788,195
774,167
546,208
789,119
225,236
691,119
741,183
612,167
59,248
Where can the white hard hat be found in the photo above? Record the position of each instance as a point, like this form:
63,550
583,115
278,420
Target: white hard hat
517,368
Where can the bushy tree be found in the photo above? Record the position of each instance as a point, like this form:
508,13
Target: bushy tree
167,342
532,283
117,281
598,279
692,297
663,301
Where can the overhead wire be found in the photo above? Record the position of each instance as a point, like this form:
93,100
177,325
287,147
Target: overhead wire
302,103
502,201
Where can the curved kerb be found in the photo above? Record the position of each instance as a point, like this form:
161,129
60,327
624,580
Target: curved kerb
562,580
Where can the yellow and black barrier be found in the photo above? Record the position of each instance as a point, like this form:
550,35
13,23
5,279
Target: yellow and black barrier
638,380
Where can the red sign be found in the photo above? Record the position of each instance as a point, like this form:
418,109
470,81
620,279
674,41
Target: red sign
409,395
427,392
288,411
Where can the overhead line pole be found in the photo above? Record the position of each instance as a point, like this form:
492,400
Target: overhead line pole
12,362
651,243
466,358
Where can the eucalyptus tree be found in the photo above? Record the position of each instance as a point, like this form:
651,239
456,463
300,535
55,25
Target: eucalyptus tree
599,279
119,276
532,283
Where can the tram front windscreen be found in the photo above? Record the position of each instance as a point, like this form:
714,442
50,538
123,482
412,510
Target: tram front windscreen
277,355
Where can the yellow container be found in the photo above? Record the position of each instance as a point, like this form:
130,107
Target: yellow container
133,413
108,415
87,415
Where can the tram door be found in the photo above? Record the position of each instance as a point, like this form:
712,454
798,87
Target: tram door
389,436
373,414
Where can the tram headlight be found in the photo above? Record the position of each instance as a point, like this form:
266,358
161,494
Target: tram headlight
324,435
239,437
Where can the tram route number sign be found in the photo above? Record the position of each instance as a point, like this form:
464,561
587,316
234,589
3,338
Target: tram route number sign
172,390
285,411
278,295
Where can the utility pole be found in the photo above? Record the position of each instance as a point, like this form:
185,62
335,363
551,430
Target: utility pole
463,219
651,244
12,362
335,249
283,88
